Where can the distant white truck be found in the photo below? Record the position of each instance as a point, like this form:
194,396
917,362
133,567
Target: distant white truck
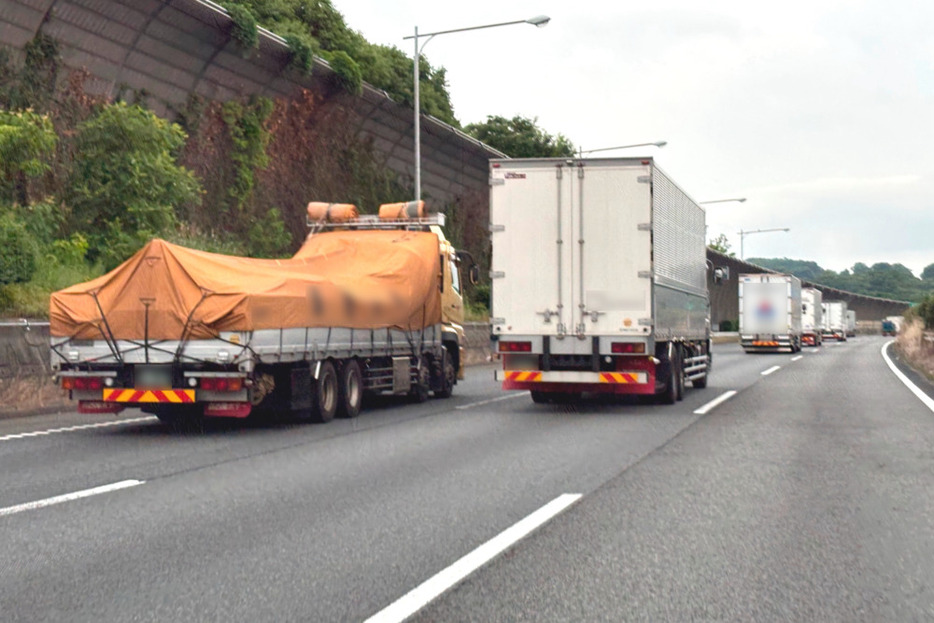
850,323
835,320
769,312
599,275
812,316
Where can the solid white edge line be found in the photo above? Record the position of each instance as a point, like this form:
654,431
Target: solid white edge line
421,595
715,402
68,497
770,370
927,400
797,358
486,402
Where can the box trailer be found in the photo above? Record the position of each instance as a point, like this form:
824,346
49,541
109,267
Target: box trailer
599,279
835,320
769,312
812,316
850,323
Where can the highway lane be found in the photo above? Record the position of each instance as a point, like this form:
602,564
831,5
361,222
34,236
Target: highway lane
308,522
809,496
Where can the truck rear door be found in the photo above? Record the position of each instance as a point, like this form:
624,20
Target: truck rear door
612,247
530,206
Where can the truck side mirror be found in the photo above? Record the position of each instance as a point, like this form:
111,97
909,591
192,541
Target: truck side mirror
721,273
473,274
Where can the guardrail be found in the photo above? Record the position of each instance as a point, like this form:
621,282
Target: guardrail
24,348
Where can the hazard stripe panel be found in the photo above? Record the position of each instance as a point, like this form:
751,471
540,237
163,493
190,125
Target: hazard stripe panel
619,377
537,376
149,395
523,375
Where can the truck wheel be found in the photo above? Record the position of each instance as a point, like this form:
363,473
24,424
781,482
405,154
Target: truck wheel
670,394
422,383
351,390
539,397
326,398
448,374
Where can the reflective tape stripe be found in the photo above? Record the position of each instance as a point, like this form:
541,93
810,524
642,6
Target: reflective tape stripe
523,376
149,395
620,377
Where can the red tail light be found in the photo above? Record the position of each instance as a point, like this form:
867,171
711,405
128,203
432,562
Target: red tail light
622,348
221,383
82,382
515,347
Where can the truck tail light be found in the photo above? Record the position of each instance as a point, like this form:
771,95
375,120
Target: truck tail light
627,348
515,347
221,383
82,382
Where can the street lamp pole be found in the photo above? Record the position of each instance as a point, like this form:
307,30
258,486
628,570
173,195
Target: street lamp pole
737,199
539,21
743,234
590,151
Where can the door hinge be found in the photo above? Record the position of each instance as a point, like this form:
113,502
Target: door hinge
497,274
644,179
646,322
497,321
497,181
645,274
644,227
497,228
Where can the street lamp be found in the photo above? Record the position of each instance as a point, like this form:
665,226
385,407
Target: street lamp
738,199
655,144
743,234
538,21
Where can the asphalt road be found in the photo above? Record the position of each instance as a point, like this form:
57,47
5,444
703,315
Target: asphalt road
806,496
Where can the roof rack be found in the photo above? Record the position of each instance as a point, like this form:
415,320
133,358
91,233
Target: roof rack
373,221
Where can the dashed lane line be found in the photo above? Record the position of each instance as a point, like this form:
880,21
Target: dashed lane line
70,429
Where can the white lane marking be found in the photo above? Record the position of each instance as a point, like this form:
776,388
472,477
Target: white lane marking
68,497
770,370
813,352
715,402
797,358
927,400
421,595
486,402
69,429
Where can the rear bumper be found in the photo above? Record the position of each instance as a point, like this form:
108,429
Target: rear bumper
775,344
622,382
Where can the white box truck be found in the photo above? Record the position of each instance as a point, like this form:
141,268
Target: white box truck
850,323
599,279
835,320
812,316
769,312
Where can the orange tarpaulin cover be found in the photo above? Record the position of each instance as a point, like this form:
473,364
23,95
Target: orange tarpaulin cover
353,279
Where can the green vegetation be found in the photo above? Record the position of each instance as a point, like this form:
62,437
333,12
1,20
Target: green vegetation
125,184
722,245
924,310
520,137
26,143
891,281
250,137
316,28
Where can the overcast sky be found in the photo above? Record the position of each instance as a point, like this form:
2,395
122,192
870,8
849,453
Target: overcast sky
821,113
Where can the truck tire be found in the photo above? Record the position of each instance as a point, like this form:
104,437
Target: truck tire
669,395
422,383
539,397
351,390
326,395
447,375
679,371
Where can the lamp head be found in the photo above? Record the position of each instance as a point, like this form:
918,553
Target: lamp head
539,21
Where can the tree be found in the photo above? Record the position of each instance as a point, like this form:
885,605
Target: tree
27,140
520,137
721,245
928,273
17,251
125,185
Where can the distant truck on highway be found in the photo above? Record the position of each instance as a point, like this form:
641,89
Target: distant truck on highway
369,304
812,316
835,320
850,323
599,279
891,325
769,312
